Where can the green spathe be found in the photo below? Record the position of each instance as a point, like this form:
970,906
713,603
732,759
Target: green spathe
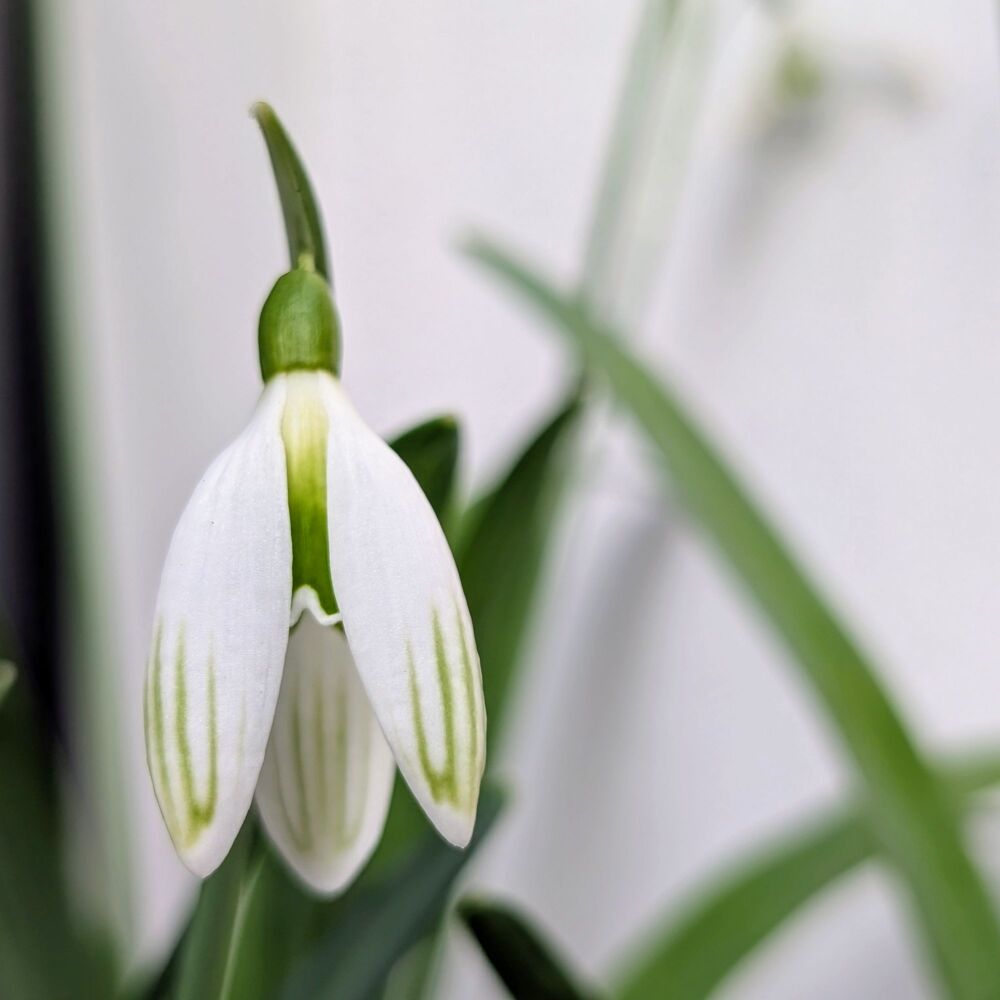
299,329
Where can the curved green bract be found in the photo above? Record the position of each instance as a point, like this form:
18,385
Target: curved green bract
303,222
912,814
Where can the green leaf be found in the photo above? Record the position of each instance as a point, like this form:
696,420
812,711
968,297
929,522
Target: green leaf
912,813
431,451
204,957
8,675
303,223
279,922
44,953
376,924
647,154
728,920
502,551
524,961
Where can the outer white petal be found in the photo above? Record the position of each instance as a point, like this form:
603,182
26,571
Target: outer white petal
406,620
327,779
219,641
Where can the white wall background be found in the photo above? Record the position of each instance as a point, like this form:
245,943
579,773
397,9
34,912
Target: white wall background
830,305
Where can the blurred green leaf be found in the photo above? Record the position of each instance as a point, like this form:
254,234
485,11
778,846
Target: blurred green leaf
647,154
44,954
911,811
726,921
303,224
204,957
524,962
501,553
8,675
431,451
279,922
376,924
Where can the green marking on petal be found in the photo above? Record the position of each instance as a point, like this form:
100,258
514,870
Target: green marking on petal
304,432
444,782
156,739
300,774
469,686
200,813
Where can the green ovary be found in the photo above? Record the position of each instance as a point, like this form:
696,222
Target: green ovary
304,433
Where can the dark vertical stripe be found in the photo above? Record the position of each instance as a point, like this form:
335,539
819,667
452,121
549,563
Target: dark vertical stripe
30,566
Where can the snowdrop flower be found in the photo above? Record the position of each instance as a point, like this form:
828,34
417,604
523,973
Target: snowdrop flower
310,629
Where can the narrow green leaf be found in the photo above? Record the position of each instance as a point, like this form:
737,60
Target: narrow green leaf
278,924
728,920
523,960
43,951
911,811
431,451
8,675
303,222
647,154
204,958
376,924
502,552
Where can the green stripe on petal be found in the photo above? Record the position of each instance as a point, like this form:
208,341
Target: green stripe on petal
324,789
219,642
304,426
406,620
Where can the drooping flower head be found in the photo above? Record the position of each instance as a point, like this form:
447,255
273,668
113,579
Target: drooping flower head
310,632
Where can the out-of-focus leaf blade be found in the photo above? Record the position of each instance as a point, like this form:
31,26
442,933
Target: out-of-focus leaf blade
525,962
303,222
8,675
729,919
912,813
204,957
431,451
647,155
376,924
278,923
502,551
43,953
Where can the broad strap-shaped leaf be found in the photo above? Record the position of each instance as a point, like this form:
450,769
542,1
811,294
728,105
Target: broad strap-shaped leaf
912,813
44,952
220,633
523,960
374,924
430,451
502,550
406,620
704,939
324,789
203,958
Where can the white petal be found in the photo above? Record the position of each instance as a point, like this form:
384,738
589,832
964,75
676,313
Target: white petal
406,620
219,641
327,779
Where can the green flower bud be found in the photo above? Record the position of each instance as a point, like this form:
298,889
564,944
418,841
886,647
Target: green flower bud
299,328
